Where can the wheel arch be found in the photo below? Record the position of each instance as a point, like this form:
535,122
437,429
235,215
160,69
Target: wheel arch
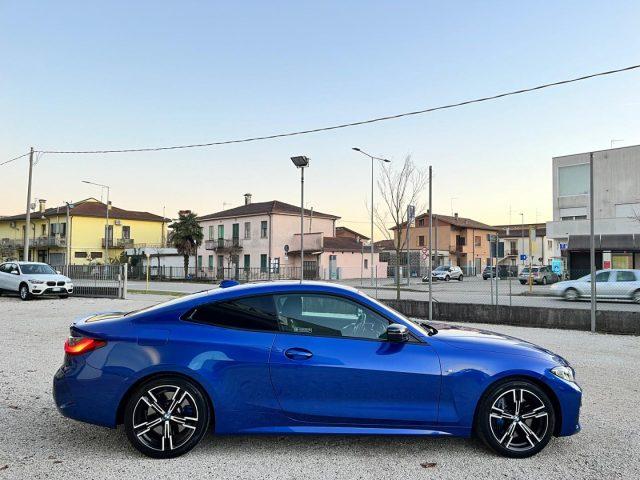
557,409
125,397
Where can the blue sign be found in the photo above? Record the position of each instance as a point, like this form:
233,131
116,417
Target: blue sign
563,246
557,266
523,256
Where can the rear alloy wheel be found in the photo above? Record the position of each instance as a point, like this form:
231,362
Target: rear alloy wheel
460,278
166,417
636,296
571,295
447,278
516,419
24,292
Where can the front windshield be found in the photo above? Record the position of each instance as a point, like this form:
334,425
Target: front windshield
442,268
37,269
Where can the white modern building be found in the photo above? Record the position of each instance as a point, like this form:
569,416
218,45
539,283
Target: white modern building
616,209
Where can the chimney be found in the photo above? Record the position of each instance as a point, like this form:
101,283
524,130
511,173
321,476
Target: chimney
43,205
247,198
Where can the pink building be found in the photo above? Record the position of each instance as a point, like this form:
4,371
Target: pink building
262,241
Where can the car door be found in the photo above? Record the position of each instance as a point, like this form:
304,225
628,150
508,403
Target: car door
331,364
605,284
624,284
13,278
4,273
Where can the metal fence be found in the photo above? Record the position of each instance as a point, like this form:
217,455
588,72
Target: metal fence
97,280
202,274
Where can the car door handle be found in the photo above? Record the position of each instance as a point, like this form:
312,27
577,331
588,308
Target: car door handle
298,354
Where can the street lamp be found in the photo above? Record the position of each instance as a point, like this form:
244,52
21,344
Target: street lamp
300,162
372,159
106,226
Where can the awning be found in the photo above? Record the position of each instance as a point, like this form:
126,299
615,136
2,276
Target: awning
605,242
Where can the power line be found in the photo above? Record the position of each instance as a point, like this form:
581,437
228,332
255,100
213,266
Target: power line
14,159
345,125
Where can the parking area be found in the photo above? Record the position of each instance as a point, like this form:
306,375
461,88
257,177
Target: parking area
39,443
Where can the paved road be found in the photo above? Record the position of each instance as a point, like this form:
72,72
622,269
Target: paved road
39,443
471,290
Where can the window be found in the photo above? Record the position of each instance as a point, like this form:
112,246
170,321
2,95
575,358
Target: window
263,229
199,261
421,222
247,230
263,263
477,240
626,276
252,313
366,263
126,232
550,244
43,229
210,260
220,231
211,232
96,254
58,229
574,217
421,240
326,315
573,180
602,277
275,265
235,232
80,255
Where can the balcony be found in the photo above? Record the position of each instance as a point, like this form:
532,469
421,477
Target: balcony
125,242
223,244
55,241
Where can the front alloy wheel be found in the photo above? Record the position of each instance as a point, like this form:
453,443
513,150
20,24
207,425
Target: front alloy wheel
571,294
24,292
166,417
516,419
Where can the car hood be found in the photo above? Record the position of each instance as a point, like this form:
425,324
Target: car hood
478,340
46,278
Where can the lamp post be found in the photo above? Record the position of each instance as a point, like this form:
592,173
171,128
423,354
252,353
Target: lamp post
106,226
372,159
301,162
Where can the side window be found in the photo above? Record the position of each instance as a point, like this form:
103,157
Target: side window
4,268
251,313
326,315
625,276
602,277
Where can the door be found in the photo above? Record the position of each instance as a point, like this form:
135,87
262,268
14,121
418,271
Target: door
333,267
332,364
235,234
605,285
5,268
624,283
12,280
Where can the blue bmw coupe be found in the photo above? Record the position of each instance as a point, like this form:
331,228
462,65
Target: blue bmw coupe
310,358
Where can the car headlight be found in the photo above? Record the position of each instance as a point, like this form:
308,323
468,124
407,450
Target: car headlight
565,373
31,280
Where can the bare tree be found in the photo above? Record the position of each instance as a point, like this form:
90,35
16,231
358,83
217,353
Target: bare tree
399,188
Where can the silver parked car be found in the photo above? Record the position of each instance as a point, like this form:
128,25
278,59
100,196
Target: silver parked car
30,279
610,284
446,273
540,275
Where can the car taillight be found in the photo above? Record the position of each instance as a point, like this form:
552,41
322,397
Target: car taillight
80,345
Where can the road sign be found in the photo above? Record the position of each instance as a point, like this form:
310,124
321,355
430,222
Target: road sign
523,256
563,246
425,253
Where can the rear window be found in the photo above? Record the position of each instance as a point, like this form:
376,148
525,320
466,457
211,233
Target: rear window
250,313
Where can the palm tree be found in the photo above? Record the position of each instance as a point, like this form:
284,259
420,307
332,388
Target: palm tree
185,236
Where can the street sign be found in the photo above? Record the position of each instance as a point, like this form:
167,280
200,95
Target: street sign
523,256
411,213
563,246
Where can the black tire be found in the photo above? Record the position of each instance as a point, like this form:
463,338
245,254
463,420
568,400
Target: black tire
23,291
635,296
460,278
63,297
189,426
515,437
446,279
571,295
522,282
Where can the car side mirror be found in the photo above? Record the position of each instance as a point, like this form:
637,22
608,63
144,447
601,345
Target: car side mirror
58,272
397,333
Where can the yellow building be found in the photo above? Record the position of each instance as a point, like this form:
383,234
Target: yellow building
78,233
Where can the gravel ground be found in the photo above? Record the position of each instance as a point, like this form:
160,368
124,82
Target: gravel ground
39,443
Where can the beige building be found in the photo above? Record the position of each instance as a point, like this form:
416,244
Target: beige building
456,241
262,241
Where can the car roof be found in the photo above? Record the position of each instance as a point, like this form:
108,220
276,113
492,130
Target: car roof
29,263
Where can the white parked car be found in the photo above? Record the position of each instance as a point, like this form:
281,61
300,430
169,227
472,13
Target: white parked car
610,284
31,279
446,273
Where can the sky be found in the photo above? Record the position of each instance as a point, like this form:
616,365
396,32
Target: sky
80,75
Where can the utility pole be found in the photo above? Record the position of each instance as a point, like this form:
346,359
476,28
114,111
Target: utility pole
592,241
27,224
430,249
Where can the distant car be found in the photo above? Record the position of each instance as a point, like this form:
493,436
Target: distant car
32,279
610,284
445,273
504,271
488,272
539,275
307,358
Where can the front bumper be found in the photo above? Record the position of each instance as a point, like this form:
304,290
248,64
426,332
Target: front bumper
40,290
569,395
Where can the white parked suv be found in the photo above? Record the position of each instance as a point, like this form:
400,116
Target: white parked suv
31,279
446,273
